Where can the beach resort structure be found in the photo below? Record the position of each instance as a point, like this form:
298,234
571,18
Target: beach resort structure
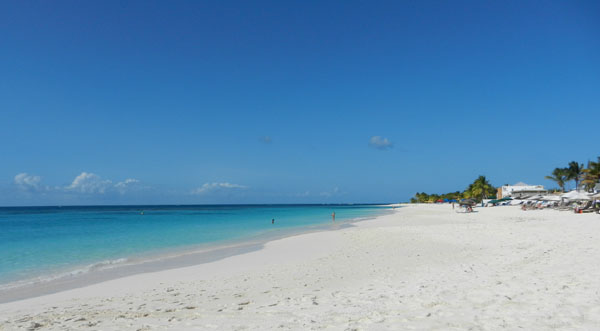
520,190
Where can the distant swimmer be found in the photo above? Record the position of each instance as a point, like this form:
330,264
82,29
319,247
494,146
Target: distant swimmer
333,217
273,221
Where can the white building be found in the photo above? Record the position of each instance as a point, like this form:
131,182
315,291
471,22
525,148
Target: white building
521,190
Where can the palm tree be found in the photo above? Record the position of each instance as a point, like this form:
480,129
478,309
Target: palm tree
481,188
591,175
421,197
560,176
575,170
468,193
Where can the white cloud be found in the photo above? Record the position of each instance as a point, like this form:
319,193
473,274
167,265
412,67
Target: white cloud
125,185
331,193
27,182
380,143
86,183
90,183
211,187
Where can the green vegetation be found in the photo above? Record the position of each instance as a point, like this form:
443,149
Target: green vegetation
591,175
479,189
576,172
560,176
424,197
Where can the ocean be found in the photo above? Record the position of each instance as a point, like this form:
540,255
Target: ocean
41,244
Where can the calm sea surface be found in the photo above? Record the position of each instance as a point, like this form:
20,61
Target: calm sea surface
48,241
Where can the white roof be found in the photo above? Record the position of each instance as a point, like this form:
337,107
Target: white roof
529,189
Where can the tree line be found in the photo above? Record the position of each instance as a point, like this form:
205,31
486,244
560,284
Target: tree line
585,176
478,190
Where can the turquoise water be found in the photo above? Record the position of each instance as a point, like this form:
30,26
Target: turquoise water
42,241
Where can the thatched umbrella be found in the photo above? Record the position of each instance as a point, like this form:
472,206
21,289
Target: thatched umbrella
467,202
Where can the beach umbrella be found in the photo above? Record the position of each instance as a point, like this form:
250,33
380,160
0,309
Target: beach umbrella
574,195
551,198
569,194
469,202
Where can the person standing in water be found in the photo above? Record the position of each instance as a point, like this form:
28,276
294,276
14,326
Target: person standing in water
333,217
273,221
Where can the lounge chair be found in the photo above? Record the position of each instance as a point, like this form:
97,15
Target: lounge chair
569,206
587,208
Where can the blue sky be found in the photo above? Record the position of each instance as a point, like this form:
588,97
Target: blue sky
282,101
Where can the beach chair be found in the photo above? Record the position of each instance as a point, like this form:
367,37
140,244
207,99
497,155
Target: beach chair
587,208
569,206
532,206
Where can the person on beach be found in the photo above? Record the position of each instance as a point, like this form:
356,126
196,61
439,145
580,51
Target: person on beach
333,217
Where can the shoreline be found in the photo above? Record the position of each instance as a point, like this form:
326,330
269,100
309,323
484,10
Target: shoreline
422,267
156,261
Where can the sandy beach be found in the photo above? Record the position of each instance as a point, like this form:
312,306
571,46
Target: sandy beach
425,267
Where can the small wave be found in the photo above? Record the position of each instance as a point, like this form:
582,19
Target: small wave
107,264
102,265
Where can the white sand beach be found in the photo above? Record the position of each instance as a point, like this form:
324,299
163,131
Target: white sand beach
424,267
